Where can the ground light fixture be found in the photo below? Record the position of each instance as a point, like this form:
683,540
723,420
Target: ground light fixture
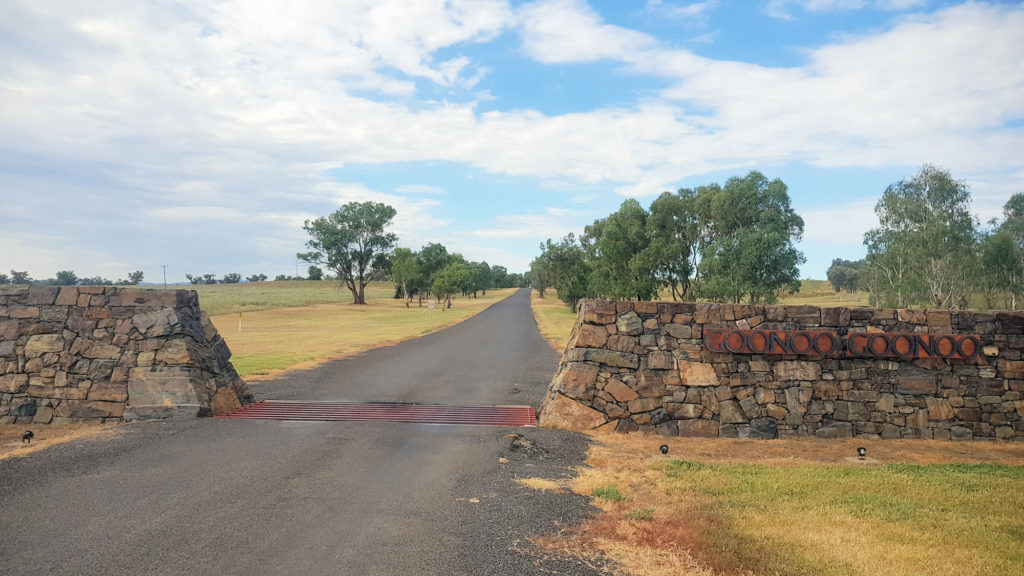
862,453
664,448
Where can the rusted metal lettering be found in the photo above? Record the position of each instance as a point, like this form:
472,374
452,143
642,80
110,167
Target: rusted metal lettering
830,344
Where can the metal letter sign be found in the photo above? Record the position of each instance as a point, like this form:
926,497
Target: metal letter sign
857,344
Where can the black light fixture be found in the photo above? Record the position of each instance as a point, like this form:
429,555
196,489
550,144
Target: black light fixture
664,448
862,453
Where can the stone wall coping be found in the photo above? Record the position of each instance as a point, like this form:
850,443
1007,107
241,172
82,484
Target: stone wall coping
127,296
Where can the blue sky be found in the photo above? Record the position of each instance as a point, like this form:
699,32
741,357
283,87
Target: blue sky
201,135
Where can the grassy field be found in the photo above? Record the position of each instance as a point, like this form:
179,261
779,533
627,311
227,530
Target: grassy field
217,299
554,319
275,339
793,507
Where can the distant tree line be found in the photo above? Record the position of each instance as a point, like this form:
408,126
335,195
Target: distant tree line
433,271
355,244
929,250
69,278
724,243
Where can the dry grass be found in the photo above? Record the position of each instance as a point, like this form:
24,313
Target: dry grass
45,436
554,319
718,506
820,293
275,340
543,484
217,299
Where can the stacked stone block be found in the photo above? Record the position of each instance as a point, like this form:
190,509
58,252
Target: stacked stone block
643,366
74,353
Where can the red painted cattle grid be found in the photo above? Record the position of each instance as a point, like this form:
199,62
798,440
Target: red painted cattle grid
418,413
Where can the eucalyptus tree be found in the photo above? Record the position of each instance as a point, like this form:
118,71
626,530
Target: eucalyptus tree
565,262
751,252
844,274
541,274
924,251
405,272
449,280
673,230
66,278
614,248
354,243
1004,272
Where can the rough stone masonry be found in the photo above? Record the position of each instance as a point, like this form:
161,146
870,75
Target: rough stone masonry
647,366
73,353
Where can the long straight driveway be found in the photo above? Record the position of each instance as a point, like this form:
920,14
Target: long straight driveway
495,357
212,496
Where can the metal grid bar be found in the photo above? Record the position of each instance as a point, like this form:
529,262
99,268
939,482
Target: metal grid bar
417,413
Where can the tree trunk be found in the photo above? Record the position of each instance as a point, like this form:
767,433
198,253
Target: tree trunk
351,285
362,293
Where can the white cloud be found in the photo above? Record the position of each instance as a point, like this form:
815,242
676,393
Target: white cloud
688,11
243,106
420,189
558,31
841,225
553,223
781,8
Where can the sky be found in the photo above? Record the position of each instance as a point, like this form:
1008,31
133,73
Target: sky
200,135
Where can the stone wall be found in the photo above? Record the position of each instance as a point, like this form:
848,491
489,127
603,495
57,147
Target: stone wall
74,353
646,366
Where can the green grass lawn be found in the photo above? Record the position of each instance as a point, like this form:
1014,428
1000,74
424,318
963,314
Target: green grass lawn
801,506
855,520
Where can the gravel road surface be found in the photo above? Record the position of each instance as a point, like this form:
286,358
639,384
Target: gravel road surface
212,496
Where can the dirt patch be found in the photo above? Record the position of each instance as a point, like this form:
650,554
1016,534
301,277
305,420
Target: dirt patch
12,445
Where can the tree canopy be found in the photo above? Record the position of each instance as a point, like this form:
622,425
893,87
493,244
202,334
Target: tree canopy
924,250
750,253
722,243
354,243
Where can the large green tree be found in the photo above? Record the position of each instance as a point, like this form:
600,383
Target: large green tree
1003,253
354,243
566,263
615,247
481,277
433,258
66,278
405,272
845,274
673,229
1001,259
751,252
451,279
924,251
541,275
